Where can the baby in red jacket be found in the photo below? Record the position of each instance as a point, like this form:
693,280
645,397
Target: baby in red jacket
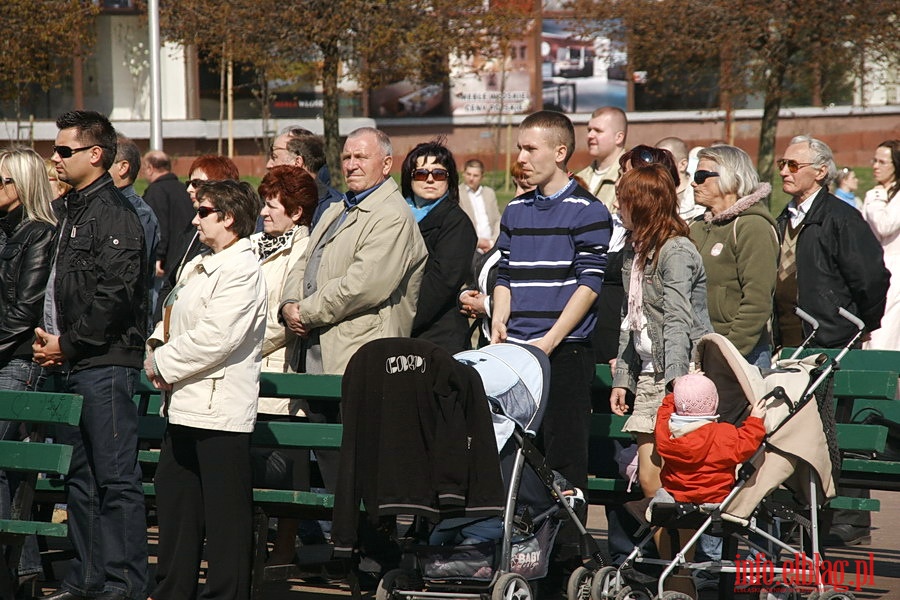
699,453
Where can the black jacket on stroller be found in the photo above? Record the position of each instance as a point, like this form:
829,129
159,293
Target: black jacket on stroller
417,439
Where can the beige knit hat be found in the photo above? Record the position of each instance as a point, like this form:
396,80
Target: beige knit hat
696,396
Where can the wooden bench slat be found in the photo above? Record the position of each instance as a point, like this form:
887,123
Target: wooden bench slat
873,466
861,360
866,438
33,528
35,457
40,407
847,503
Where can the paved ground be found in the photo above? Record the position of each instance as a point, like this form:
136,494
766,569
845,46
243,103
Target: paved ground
883,555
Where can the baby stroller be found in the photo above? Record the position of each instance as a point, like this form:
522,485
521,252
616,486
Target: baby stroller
799,452
497,557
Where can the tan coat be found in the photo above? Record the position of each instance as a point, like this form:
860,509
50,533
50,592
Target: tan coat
605,189
368,280
275,269
490,205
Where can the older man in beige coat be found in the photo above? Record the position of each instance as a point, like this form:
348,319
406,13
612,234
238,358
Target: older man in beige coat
358,279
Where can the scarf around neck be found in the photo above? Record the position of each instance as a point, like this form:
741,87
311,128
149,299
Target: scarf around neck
267,245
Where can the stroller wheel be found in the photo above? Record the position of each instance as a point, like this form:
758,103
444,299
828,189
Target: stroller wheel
393,580
781,591
579,587
511,586
836,595
626,593
606,584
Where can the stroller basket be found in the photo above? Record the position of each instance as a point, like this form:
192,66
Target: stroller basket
530,557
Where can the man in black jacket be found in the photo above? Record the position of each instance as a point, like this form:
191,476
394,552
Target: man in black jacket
93,340
829,259
171,203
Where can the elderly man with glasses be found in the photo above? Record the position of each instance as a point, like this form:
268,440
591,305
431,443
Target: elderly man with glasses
829,259
302,148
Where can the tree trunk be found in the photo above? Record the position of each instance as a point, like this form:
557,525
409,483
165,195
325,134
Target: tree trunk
330,64
769,125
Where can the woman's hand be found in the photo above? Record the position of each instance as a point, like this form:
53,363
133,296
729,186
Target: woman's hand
471,304
155,379
617,402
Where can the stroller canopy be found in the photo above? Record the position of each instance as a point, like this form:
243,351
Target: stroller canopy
516,381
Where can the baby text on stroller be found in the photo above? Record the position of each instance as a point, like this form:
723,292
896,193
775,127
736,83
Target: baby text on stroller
803,572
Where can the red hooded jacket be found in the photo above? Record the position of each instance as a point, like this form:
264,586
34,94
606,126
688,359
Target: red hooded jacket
699,466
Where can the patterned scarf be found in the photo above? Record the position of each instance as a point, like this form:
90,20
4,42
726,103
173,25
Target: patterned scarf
636,292
268,245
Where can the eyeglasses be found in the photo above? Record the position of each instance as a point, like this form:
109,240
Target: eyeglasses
436,174
8,181
274,149
68,151
193,182
701,176
792,165
205,211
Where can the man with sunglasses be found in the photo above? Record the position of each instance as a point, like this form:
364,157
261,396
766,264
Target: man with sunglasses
302,148
92,339
830,259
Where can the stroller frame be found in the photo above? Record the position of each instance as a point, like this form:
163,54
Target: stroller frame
610,583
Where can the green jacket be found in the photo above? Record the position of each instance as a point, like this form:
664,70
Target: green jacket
740,251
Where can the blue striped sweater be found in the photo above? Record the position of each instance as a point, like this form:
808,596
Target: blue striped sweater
550,245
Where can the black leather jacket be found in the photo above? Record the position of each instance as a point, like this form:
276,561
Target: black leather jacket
100,278
25,250
839,264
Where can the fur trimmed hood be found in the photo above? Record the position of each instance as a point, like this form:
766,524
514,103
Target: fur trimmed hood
740,206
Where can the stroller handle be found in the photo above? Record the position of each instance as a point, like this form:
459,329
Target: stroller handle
851,317
813,323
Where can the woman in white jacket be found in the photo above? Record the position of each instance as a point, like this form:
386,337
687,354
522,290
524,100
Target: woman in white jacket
290,197
881,210
206,356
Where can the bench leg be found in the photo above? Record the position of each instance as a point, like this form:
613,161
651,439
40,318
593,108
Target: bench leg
260,541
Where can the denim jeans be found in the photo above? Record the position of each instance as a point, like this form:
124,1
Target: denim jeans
107,522
18,374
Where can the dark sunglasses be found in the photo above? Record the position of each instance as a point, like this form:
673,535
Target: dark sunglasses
436,174
193,182
68,151
205,211
701,176
792,165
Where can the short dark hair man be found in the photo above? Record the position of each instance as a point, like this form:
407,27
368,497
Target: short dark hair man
171,203
124,171
93,337
302,148
553,250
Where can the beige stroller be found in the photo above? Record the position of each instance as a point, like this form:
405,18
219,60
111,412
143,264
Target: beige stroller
799,453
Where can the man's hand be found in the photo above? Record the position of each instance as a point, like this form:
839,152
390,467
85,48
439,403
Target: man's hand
159,269
617,401
484,246
545,344
290,312
498,332
46,350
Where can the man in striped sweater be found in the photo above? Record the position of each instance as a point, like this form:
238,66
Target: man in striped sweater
553,242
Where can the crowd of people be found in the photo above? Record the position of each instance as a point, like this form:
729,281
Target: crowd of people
203,286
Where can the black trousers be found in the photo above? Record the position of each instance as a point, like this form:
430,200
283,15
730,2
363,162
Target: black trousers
204,489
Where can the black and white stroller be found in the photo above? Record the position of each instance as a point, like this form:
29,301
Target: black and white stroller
498,556
798,453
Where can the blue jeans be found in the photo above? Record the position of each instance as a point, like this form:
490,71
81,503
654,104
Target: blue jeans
18,374
107,522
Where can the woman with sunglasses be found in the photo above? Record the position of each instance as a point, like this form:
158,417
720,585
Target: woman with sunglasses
27,227
739,245
206,355
881,209
430,183
664,310
209,167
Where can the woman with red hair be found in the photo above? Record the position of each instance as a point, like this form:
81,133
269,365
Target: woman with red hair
665,309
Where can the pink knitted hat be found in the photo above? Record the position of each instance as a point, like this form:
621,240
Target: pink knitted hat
696,396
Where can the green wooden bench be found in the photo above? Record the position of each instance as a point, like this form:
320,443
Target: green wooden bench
38,410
